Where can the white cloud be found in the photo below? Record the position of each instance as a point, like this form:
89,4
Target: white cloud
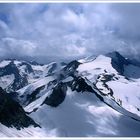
12,46
78,21
61,31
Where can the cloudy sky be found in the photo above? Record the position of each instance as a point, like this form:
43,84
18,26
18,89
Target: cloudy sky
50,32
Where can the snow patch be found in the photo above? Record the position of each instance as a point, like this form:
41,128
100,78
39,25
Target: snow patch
4,63
6,80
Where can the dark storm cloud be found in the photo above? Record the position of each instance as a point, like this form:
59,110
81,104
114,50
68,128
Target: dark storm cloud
48,32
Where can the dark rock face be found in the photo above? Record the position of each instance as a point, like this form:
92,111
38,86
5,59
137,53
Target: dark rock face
33,96
14,96
57,96
53,67
72,65
19,81
118,61
80,85
105,78
12,114
70,68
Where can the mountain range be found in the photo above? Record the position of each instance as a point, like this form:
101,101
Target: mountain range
91,97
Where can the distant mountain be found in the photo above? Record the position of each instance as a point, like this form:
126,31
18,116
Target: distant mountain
15,74
96,96
118,61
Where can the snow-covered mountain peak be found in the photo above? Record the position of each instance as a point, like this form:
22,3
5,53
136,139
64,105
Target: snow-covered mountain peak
100,94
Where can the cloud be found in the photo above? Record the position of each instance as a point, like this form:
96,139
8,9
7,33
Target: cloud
128,19
18,47
54,32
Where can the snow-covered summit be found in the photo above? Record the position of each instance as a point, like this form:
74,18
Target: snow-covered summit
88,97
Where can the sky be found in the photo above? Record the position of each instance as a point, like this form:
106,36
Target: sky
65,31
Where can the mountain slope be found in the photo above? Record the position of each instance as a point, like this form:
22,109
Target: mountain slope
15,74
121,86
12,114
90,97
